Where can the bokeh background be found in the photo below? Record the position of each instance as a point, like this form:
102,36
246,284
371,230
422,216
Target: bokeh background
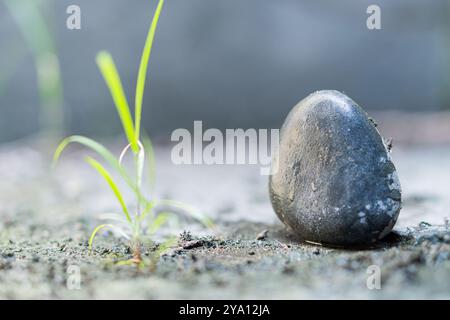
230,63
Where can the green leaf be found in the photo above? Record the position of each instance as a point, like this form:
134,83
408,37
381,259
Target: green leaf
108,69
37,33
140,161
128,262
105,174
114,217
92,144
102,226
142,74
151,161
96,230
190,210
100,150
148,206
157,223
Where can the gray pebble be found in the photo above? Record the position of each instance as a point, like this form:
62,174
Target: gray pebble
262,235
336,183
192,244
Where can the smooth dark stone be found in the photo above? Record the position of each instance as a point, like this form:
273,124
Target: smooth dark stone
336,183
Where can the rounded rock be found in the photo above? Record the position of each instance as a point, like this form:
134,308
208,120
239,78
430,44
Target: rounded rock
334,182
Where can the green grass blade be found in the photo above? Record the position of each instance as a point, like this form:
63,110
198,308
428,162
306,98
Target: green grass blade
107,176
112,79
99,149
159,221
37,33
151,161
116,217
190,210
148,206
140,162
142,74
128,262
92,144
96,230
108,157
102,226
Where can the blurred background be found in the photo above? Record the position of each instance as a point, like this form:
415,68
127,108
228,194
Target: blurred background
230,63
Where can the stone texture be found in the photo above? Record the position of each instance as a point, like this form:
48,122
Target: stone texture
336,183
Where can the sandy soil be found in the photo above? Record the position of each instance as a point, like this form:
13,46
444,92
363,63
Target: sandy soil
47,216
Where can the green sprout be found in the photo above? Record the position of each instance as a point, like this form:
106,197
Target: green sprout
142,224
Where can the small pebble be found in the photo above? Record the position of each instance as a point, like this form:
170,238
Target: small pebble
192,244
262,235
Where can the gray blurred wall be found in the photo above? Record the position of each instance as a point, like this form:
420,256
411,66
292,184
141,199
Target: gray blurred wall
233,63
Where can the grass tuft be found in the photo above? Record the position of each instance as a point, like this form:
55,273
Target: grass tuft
141,226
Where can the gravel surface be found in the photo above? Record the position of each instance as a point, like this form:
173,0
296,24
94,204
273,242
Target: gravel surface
46,218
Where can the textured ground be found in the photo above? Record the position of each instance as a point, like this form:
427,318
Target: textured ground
46,218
